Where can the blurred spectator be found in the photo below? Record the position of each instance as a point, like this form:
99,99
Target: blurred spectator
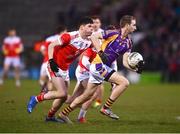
12,48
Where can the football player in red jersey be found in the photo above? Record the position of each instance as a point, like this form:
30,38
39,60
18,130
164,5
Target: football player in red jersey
12,47
62,53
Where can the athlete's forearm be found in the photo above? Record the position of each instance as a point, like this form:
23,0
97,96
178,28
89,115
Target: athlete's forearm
95,40
21,48
51,48
125,62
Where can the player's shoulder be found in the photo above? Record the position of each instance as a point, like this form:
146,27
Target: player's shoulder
17,38
109,33
52,38
6,39
74,34
12,39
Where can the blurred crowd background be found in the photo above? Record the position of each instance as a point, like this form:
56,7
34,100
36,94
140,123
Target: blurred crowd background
157,37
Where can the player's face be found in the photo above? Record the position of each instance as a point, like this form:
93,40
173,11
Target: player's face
88,29
12,33
132,26
96,24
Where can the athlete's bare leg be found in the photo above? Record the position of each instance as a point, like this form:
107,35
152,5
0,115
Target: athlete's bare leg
4,73
57,103
100,92
17,76
78,90
122,84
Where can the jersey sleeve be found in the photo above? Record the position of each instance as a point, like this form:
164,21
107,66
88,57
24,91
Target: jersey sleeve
88,52
64,39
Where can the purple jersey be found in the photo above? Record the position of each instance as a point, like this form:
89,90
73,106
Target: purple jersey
113,46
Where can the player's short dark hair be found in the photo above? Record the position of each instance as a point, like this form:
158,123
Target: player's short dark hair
12,29
60,28
85,20
126,19
94,17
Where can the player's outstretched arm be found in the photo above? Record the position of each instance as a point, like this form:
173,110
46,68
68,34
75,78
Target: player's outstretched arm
51,48
53,65
64,39
96,43
95,40
5,51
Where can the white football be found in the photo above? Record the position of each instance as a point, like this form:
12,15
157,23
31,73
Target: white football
134,58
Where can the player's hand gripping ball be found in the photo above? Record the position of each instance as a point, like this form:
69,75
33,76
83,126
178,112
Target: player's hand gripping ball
135,61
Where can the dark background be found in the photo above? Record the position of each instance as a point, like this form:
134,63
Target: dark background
157,37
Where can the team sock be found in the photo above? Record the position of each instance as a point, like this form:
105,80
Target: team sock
108,103
82,113
40,97
51,112
67,110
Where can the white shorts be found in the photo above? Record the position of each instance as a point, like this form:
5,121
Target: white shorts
99,73
14,61
114,65
43,71
81,74
61,73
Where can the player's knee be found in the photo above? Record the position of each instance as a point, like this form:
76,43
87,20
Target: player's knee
87,96
62,95
125,82
41,82
64,98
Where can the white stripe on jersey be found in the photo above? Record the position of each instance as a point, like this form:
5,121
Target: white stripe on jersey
12,40
78,42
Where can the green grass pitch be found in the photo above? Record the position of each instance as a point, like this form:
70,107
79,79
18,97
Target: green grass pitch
142,108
